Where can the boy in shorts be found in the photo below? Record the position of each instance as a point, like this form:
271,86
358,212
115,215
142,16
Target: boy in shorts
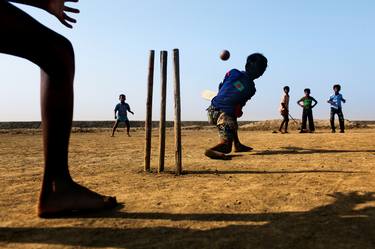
121,114
25,37
284,110
236,89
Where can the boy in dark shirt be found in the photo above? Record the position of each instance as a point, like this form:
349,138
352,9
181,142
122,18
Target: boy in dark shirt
236,89
307,103
121,115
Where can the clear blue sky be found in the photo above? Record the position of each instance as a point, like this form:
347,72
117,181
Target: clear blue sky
308,44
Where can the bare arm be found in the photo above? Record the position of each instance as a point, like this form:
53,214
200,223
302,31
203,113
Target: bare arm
315,103
54,7
299,103
130,110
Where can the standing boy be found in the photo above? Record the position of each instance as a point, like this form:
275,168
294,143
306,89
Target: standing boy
25,37
336,108
237,88
284,110
307,103
121,114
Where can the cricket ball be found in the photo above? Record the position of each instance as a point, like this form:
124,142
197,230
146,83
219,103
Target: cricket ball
224,55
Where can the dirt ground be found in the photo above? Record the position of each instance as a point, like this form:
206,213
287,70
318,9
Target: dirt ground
293,191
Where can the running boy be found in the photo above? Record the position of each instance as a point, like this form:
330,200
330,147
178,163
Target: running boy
25,37
307,103
284,109
336,108
121,114
237,88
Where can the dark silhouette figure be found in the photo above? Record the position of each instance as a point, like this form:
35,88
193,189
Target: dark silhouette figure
23,36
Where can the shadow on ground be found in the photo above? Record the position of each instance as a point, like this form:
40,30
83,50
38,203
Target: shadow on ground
240,172
342,224
304,151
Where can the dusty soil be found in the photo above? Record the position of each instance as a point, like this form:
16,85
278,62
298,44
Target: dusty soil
293,191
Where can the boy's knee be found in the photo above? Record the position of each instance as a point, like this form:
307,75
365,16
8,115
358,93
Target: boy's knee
60,62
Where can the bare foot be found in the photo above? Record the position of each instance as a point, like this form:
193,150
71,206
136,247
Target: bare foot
216,155
242,148
70,198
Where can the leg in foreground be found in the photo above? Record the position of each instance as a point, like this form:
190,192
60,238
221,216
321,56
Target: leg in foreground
24,37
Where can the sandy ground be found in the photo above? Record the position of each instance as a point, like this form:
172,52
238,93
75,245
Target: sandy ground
292,191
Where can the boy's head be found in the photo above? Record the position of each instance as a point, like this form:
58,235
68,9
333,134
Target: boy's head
256,65
286,89
336,88
122,97
307,91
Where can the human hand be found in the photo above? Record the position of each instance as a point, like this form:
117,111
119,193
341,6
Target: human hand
58,9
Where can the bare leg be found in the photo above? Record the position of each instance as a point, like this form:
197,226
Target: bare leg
219,150
114,128
127,123
238,146
24,37
282,125
286,125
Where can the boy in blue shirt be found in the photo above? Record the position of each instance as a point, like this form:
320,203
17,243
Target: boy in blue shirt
121,114
235,90
336,108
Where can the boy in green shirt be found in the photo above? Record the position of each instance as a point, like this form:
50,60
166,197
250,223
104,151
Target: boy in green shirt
307,103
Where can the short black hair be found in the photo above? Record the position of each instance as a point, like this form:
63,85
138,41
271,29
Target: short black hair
122,95
286,88
337,86
307,90
258,58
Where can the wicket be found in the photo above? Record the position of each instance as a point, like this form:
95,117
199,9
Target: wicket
162,123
